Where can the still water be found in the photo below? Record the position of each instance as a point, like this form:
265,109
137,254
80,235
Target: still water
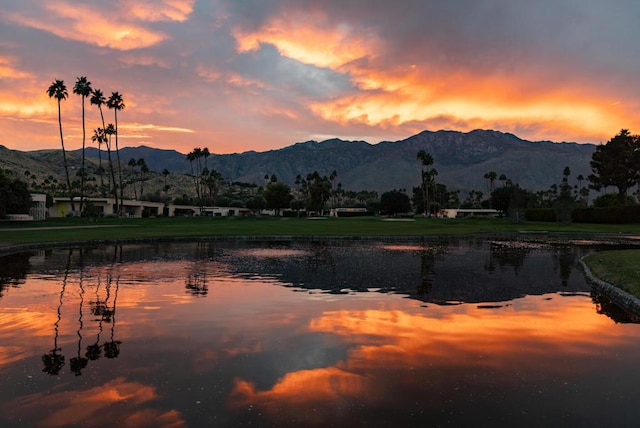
453,332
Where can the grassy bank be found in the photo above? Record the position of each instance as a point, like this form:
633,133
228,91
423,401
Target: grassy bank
75,229
620,268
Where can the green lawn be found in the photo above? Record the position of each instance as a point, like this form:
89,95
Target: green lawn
617,267
76,229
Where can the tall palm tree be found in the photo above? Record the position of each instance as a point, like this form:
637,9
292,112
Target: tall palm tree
116,103
82,88
98,99
59,91
109,131
100,137
425,160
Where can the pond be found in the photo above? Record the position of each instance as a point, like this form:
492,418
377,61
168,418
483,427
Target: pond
462,332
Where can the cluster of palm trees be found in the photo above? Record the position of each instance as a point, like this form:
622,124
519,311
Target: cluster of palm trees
206,181
102,135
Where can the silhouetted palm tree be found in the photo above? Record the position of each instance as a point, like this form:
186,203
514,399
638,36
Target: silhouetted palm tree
82,88
109,131
116,103
425,160
59,91
98,99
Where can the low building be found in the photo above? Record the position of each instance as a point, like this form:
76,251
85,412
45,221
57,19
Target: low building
106,207
135,209
468,212
349,212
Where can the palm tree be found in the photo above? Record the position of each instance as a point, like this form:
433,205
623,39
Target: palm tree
98,99
59,91
100,137
116,103
425,160
109,131
82,88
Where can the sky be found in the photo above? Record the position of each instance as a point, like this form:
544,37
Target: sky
240,75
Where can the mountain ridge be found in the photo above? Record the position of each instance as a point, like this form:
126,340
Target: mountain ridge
461,159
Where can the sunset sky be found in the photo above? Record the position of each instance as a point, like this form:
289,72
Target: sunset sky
238,75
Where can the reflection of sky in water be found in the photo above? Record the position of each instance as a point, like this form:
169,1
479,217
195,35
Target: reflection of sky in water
201,343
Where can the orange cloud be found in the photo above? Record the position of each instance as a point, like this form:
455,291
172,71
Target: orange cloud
395,98
163,10
9,71
85,24
309,37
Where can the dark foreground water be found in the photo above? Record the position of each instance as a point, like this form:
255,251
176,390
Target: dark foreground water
460,333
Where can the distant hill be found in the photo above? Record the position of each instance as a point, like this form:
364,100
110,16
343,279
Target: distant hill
461,159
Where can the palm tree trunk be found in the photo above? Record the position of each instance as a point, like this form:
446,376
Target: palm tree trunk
118,157
113,176
64,159
82,171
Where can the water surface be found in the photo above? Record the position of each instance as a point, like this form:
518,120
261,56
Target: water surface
460,332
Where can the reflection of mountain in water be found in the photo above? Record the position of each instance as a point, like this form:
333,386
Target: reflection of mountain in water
438,273
444,271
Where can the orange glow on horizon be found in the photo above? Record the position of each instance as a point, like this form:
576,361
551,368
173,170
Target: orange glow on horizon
264,80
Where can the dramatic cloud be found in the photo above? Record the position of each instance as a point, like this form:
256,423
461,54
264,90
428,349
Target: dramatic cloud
263,74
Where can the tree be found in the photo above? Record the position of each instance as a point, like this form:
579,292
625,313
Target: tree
318,191
15,197
82,88
59,91
212,181
565,202
617,164
116,103
491,178
427,177
277,195
394,202
100,137
98,99
109,131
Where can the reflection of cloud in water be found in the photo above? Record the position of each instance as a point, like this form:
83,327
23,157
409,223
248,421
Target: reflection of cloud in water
120,399
385,342
270,253
321,386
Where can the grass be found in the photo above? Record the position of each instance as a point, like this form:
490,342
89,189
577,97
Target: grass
77,229
618,267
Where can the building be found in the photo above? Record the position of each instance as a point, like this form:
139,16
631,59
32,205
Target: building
106,207
135,209
468,212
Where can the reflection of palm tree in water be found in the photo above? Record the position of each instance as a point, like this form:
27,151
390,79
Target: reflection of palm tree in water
98,307
427,272
78,362
196,283
54,361
112,348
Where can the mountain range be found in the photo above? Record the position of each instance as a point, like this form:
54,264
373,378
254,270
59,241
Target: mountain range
461,159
